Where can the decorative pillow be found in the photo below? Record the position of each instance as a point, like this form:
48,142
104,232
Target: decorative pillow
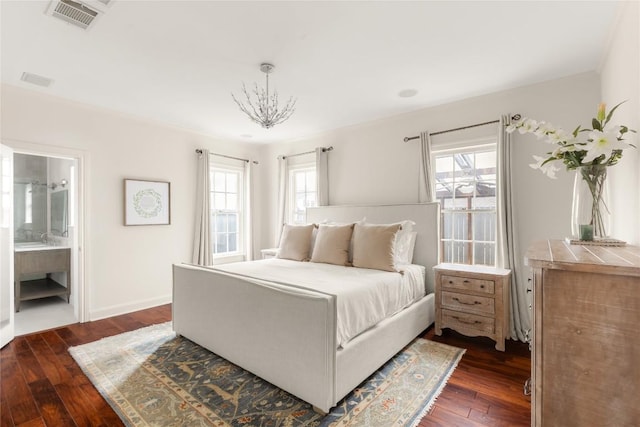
405,244
295,243
361,221
374,246
332,244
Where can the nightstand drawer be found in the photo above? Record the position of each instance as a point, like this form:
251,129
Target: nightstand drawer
468,284
467,322
471,303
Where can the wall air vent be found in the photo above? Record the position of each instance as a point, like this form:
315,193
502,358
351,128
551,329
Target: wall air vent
36,79
73,12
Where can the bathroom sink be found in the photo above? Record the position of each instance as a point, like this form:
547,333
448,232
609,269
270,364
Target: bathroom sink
29,244
33,246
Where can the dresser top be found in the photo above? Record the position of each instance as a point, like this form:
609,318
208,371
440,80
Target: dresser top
558,254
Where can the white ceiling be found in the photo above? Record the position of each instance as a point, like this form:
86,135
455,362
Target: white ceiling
178,61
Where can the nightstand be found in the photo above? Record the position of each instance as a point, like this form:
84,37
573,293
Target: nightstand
269,253
473,300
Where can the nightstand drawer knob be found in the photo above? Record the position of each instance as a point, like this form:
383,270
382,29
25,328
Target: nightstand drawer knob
481,286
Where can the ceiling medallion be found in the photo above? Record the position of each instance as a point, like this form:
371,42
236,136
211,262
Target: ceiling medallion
264,108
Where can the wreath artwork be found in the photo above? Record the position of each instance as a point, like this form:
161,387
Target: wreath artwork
146,202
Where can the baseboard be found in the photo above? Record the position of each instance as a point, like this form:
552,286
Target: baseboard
116,310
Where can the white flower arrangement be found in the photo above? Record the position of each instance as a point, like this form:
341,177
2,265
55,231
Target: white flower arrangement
603,146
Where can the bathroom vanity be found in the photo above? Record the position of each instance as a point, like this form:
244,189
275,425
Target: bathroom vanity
38,259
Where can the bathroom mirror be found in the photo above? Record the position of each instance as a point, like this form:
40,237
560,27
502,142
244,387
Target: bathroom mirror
29,210
59,209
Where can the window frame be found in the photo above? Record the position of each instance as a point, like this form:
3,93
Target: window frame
240,253
469,147
291,197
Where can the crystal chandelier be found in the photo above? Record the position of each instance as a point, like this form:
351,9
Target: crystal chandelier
264,109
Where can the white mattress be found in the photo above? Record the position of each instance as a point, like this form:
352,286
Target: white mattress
364,296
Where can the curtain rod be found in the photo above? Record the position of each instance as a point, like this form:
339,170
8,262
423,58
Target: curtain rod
514,117
199,151
324,150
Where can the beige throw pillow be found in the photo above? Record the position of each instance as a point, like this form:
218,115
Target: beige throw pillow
295,243
374,246
332,244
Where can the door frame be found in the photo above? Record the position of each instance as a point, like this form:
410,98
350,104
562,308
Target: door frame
7,331
82,159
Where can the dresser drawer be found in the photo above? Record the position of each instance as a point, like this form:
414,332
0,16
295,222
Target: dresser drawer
472,303
468,284
467,322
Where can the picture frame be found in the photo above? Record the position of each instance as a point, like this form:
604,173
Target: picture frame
147,202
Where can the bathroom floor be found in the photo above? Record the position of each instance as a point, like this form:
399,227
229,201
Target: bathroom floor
41,314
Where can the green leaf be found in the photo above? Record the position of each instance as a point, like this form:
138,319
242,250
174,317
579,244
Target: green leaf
596,124
575,132
611,112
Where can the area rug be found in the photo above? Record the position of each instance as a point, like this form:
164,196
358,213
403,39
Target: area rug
152,378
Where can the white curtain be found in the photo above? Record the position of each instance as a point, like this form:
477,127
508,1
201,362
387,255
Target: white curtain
506,247
426,179
202,254
322,176
248,228
283,174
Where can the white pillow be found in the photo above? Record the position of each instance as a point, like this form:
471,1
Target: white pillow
405,244
295,243
332,244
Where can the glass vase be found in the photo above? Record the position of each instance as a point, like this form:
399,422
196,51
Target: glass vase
591,218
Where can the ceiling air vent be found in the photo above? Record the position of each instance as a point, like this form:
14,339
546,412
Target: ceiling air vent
73,12
36,79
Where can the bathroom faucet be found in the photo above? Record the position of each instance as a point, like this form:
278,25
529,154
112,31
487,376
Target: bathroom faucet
43,237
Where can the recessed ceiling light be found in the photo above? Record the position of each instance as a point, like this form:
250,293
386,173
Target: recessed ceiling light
246,135
36,79
407,93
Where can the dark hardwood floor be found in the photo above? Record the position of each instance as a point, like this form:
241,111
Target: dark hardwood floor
41,385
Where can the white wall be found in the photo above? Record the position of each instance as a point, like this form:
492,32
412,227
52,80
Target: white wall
370,163
128,268
621,81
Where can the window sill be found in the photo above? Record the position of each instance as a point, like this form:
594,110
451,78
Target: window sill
227,259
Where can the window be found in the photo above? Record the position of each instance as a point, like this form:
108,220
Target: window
302,192
227,205
465,181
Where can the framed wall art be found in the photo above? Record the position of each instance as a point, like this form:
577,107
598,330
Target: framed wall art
147,202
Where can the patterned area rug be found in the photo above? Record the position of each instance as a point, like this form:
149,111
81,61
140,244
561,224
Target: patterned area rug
152,378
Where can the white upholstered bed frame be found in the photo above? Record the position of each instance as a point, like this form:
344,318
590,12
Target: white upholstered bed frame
288,336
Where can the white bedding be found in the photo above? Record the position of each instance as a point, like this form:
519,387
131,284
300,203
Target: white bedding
364,296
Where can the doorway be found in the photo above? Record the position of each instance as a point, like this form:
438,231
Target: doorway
47,222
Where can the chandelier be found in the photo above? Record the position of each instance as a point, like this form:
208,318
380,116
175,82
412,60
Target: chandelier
264,109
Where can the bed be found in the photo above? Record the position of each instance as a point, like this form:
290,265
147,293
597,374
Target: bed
288,335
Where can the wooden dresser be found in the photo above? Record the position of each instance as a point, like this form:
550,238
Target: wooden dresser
473,300
586,335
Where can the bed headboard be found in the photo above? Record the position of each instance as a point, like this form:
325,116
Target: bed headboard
425,215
